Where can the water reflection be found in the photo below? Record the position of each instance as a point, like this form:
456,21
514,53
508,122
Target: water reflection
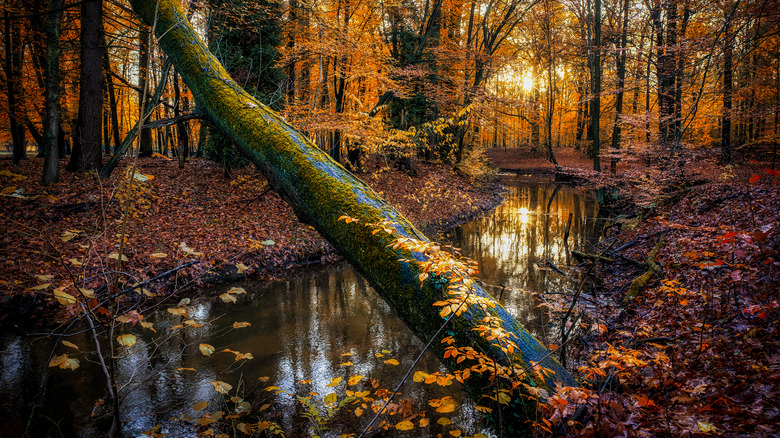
306,328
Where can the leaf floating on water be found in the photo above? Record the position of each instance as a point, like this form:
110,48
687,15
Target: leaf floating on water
70,344
236,290
206,349
185,369
126,340
346,364
334,382
64,362
177,311
183,302
241,268
148,325
221,387
243,324
200,405
354,380
405,425
228,298
391,362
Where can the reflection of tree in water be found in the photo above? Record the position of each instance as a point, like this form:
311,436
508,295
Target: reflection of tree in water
528,228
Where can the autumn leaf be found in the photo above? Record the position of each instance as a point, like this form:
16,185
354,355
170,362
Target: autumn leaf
346,364
334,382
404,425
177,311
227,298
236,290
221,387
126,340
158,255
148,325
424,422
706,427
115,256
241,268
70,344
354,380
64,298
189,251
330,398
237,325
391,362
444,421
199,406
64,362
420,376
206,349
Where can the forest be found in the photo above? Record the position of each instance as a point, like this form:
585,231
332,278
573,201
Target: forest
351,218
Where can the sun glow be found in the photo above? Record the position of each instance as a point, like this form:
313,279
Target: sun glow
528,82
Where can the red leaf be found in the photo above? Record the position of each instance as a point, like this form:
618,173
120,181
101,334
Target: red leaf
754,179
772,172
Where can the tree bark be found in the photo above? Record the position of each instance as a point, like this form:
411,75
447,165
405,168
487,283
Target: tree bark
89,153
621,73
14,56
51,120
595,116
320,191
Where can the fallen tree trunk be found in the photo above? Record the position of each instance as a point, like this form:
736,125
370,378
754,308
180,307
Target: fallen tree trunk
321,191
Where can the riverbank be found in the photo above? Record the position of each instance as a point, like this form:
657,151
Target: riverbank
230,227
679,321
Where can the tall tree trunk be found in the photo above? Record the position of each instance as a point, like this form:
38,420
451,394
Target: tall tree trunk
725,131
89,154
595,115
51,121
14,57
321,191
113,109
182,136
621,76
145,140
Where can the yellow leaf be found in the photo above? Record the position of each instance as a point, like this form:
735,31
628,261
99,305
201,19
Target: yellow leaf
115,256
64,298
391,362
44,277
206,349
243,427
330,398
236,290
185,369
444,421
484,409
158,255
358,412
192,323
76,263
420,376
186,249
40,286
89,293
64,362
228,298
706,427
221,387
334,382
448,406
70,344
126,340
160,156
241,325
354,380
424,422
241,268
405,425
346,364
200,405
504,398
8,190
455,432
177,311
148,325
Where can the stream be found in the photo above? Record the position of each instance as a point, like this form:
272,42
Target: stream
304,332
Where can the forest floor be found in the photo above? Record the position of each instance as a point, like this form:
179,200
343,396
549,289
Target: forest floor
696,352
233,227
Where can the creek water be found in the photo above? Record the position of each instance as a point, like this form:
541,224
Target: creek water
304,332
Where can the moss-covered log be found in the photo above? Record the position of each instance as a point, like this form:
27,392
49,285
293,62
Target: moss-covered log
321,191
